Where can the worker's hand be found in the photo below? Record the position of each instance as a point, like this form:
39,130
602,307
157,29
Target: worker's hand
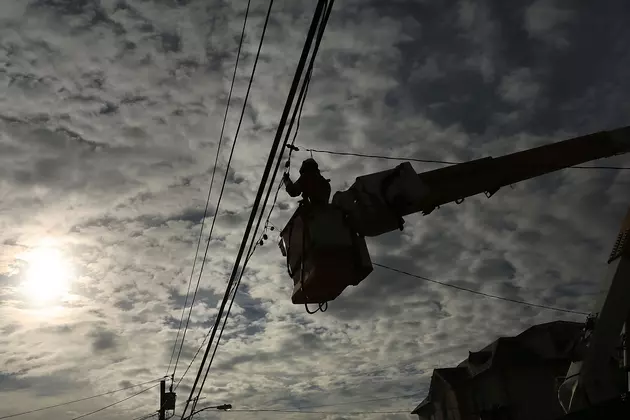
285,177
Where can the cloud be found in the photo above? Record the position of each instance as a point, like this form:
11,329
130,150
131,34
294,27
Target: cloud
110,113
519,87
476,20
544,20
103,341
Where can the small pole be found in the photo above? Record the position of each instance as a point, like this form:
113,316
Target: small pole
162,410
626,353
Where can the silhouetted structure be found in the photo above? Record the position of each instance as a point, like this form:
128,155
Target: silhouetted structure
513,378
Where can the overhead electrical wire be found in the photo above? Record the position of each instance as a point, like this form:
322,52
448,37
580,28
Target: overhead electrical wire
79,400
399,397
263,183
208,334
444,162
348,413
146,416
520,302
228,289
296,116
240,122
115,403
227,107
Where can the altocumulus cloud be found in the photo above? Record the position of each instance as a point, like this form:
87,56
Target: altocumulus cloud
109,120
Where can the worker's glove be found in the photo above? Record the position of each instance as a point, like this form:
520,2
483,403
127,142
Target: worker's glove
285,177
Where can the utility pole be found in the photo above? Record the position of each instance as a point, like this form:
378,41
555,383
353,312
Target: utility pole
162,410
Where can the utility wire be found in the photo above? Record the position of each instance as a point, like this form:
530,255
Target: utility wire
79,400
116,403
399,397
445,162
520,302
228,288
146,416
233,288
208,334
319,412
262,185
227,107
296,116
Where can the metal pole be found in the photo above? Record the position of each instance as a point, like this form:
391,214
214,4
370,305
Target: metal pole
162,410
626,353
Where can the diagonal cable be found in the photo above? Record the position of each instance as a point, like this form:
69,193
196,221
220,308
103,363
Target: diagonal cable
263,183
444,162
298,109
227,107
115,403
520,302
76,401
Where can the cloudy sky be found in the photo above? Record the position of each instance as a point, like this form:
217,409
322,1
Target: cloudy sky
110,113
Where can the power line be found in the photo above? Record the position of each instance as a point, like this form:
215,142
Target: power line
115,403
146,416
444,162
240,122
520,302
76,401
227,107
296,115
399,397
254,242
222,328
261,188
319,412
330,152
248,228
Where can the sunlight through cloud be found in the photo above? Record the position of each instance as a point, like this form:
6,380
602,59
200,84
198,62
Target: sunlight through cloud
48,275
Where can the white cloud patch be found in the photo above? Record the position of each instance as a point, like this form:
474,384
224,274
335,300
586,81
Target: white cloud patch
519,87
477,21
544,20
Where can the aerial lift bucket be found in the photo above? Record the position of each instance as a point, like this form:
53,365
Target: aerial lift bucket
324,254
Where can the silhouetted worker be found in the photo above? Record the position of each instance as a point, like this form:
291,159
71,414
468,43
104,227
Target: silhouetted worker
315,189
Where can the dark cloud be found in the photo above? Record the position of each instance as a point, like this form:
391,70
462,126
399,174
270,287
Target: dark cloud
494,268
104,341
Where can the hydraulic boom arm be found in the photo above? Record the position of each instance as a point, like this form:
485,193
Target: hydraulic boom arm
377,202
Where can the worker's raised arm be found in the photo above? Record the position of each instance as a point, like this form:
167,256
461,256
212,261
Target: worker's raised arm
293,188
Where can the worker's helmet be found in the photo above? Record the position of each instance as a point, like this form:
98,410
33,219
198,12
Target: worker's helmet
309,165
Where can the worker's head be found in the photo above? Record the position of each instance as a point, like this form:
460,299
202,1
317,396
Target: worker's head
309,166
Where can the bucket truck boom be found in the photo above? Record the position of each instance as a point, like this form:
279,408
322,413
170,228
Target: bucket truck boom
377,202
325,245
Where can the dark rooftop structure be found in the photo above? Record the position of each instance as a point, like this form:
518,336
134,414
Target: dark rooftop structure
512,378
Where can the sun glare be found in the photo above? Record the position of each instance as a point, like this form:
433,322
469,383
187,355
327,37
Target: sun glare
47,276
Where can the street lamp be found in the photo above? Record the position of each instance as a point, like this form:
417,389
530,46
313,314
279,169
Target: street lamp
222,407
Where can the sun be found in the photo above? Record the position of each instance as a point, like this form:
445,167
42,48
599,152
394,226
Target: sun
48,275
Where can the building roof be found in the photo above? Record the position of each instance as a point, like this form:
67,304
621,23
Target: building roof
552,340
425,404
543,342
453,376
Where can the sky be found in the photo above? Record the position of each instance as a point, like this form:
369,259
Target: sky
110,116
